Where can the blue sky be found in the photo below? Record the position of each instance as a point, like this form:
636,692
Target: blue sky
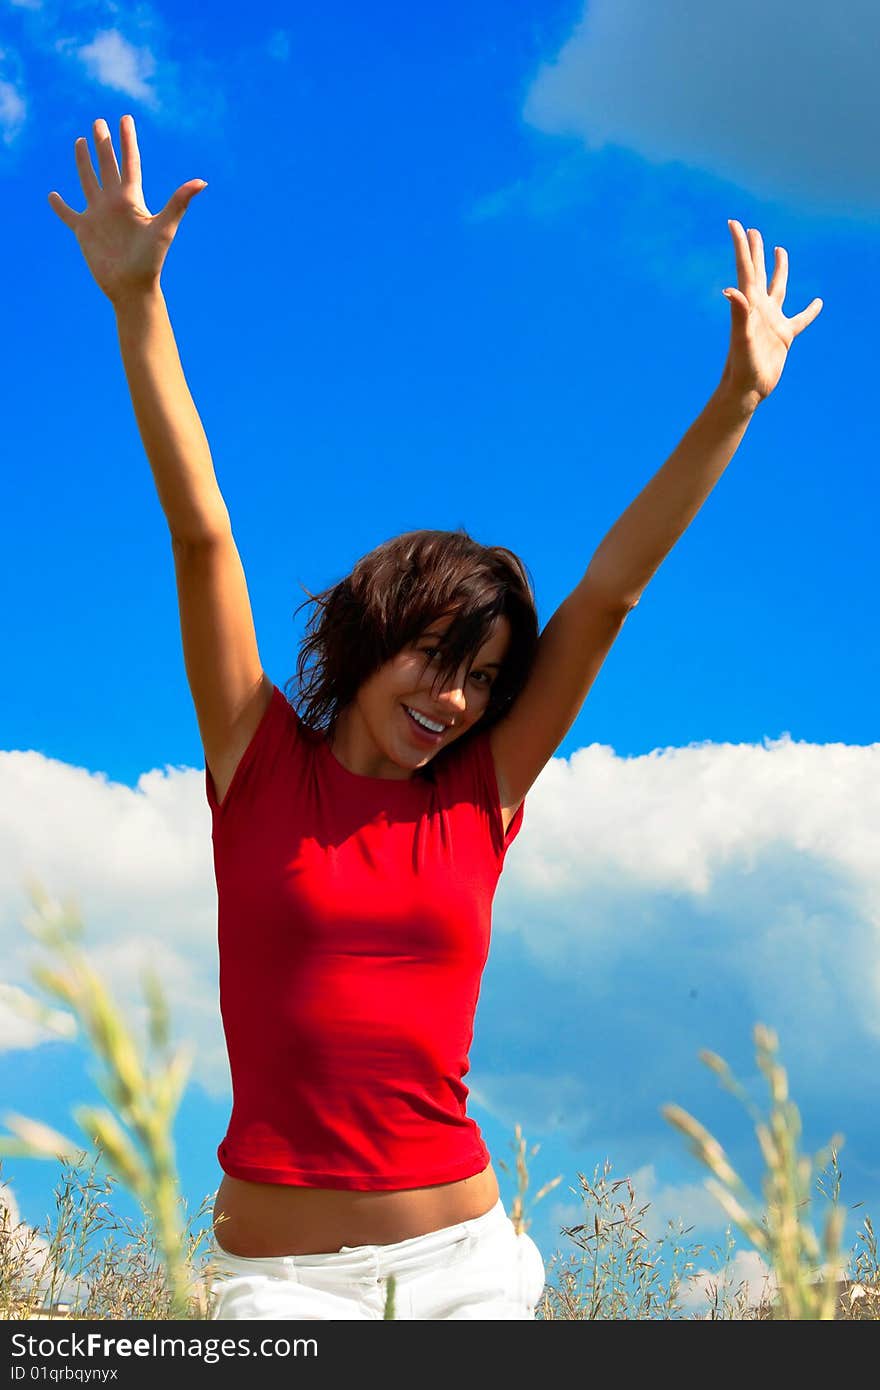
464,267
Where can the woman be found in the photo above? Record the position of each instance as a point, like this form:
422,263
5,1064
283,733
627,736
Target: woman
358,842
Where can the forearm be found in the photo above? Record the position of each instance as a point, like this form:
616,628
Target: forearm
639,541
169,424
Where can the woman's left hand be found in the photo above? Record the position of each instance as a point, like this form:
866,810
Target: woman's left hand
760,334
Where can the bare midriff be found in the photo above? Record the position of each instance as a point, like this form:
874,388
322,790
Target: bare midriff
271,1219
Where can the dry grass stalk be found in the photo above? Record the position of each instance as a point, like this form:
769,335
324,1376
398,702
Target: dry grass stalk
616,1272
79,1264
521,1155
133,1136
807,1283
620,1273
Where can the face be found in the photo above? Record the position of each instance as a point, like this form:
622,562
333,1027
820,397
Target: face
377,735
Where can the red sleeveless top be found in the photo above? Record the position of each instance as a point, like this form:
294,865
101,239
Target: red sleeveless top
354,925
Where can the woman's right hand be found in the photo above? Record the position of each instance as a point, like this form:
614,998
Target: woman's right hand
124,245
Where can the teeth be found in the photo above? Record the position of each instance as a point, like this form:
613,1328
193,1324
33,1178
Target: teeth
428,724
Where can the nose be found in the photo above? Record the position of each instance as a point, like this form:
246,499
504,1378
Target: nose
454,699
453,694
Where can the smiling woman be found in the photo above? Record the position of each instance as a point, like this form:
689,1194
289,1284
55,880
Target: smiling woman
360,830
425,599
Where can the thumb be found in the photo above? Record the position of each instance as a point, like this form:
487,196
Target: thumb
736,297
172,214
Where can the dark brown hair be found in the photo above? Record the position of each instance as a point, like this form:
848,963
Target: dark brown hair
392,596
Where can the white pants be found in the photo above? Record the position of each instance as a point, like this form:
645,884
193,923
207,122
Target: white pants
479,1269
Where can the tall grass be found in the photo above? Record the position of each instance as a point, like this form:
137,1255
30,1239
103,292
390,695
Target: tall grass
521,1157
807,1274
133,1134
100,1266
90,1262
616,1271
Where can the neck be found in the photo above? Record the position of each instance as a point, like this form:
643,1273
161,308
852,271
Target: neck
354,747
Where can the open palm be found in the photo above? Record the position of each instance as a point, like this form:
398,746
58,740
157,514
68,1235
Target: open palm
760,333
123,243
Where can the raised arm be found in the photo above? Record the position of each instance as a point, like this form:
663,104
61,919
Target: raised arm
125,248
579,636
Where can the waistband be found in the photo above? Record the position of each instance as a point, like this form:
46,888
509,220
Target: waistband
372,1260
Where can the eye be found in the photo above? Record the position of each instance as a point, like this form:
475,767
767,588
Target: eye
432,652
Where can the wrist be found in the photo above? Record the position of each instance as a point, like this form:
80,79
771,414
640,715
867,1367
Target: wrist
739,403
135,297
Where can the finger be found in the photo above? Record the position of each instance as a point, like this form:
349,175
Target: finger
131,159
67,214
87,176
106,154
739,305
779,282
171,216
745,271
756,247
806,316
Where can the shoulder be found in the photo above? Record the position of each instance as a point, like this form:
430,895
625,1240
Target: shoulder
509,805
470,771
269,732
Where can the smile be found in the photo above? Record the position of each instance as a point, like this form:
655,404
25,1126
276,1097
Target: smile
426,725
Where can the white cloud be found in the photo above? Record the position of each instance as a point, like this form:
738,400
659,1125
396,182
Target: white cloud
685,1204
693,1215
756,863
673,818
13,103
13,111
120,46
745,1281
25,1021
742,869
563,1213
689,1203
30,1256
137,862
117,64
780,99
